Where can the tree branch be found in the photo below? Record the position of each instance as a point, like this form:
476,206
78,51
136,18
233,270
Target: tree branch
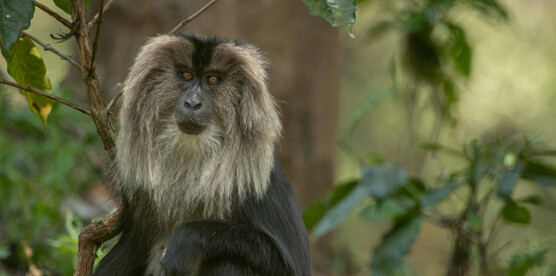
44,94
96,17
52,13
47,47
97,33
91,238
116,96
192,17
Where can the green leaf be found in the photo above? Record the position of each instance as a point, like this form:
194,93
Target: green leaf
26,66
434,196
461,51
490,6
363,109
338,13
337,213
523,262
340,191
383,180
387,209
541,173
65,5
507,180
533,200
313,214
15,17
514,213
388,255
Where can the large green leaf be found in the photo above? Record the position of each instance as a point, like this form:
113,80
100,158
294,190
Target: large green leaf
383,180
15,17
461,51
434,196
388,209
512,212
338,13
317,209
26,66
65,5
337,213
539,172
388,255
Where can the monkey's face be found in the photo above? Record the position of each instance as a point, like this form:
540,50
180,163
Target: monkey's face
193,110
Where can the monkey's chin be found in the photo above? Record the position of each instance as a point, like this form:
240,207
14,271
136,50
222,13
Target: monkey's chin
191,128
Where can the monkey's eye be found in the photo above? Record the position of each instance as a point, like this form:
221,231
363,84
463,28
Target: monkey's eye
187,75
213,79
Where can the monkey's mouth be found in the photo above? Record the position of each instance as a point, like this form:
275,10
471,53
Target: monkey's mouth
191,127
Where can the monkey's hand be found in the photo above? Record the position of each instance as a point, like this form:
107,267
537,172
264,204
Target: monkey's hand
185,250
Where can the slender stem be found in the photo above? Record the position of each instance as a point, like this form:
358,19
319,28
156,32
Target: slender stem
44,94
192,17
97,33
48,47
52,13
116,96
98,15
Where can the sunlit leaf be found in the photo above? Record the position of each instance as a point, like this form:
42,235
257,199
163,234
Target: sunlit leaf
337,213
26,66
388,255
338,13
387,209
434,196
523,262
15,17
512,212
383,180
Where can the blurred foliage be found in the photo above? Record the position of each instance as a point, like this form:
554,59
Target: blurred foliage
38,171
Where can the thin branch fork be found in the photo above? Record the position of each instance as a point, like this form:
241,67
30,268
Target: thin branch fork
48,47
97,33
44,94
98,16
54,14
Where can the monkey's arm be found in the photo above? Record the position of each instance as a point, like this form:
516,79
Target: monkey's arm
216,247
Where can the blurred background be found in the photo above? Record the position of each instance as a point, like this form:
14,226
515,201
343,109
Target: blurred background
423,71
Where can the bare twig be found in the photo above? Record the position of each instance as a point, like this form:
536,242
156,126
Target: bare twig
44,94
47,47
52,13
192,17
116,96
97,33
96,17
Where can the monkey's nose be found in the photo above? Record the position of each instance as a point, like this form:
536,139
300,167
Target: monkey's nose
192,102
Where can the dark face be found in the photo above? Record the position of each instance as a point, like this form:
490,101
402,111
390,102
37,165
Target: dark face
198,81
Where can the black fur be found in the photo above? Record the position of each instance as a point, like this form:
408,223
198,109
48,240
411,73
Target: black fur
262,237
